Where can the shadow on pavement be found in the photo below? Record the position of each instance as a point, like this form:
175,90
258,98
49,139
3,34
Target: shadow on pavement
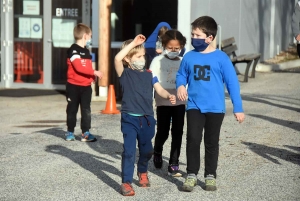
111,148
261,100
92,163
289,124
272,153
29,92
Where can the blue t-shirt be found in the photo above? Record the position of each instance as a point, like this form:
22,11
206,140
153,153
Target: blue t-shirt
205,75
137,88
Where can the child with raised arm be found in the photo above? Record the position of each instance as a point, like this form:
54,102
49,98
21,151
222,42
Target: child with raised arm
137,118
206,70
80,76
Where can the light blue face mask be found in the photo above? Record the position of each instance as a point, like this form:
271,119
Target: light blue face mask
88,43
172,55
138,65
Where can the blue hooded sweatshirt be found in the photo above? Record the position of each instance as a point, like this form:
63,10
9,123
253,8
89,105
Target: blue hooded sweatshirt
150,44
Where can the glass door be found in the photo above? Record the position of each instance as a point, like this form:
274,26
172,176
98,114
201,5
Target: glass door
1,37
65,15
28,62
41,31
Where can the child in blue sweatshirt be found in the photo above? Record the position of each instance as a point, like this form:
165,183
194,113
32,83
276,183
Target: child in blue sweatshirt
205,70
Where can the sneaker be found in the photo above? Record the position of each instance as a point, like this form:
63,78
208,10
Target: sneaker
87,137
157,160
127,190
70,136
189,183
143,179
173,170
210,183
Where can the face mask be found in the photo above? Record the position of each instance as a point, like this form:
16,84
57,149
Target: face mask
88,43
199,44
138,65
172,55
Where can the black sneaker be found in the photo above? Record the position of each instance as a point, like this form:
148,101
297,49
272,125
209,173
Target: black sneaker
173,170
157,160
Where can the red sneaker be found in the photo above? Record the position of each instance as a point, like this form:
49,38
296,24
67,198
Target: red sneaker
143,179
127,190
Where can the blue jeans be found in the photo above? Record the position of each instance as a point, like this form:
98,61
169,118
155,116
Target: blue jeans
142,129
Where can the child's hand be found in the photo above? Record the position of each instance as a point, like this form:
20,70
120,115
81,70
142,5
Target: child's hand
172,99
158,51
181,93
240,117
139,39
99,74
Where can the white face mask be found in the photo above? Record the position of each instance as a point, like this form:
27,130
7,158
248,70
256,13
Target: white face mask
138,65
172,55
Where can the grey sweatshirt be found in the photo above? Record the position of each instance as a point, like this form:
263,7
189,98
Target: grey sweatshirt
296,20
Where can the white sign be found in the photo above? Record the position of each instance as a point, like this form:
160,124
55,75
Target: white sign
24,27
62,32
69,12
36,28
31,7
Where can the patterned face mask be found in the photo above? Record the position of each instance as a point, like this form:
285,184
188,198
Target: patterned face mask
138,65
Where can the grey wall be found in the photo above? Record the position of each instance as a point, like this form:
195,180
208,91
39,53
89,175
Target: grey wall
258,25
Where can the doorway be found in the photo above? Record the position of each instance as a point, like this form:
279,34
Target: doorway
42,31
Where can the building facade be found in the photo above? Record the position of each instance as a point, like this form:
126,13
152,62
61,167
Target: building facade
35,34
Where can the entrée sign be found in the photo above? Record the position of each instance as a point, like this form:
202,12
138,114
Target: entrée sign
68,12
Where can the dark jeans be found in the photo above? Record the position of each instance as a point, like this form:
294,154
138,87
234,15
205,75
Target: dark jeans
141,129
298,49
78,95
164,115
211,123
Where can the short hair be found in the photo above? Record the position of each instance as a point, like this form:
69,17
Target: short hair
133,51
162,30
173,35
206,24
79,30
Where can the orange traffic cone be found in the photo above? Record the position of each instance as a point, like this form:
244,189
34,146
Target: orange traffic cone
111,107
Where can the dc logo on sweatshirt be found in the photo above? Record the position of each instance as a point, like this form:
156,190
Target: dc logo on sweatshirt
202,72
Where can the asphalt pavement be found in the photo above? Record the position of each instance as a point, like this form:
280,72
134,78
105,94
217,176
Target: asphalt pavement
259,159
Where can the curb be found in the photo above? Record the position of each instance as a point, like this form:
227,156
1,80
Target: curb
279,66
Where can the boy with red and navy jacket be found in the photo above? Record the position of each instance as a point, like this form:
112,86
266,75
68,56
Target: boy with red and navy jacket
80,75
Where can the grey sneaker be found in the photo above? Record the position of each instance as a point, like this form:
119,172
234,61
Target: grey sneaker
189,183
210,183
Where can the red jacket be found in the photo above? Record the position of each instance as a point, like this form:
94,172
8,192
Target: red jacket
80,70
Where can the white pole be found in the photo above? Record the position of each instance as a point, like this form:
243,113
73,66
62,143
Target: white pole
184,21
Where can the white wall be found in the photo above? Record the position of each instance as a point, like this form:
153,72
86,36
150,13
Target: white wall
256,25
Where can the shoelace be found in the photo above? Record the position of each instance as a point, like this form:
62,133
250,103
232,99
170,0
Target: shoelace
175,167
143,176
190,181
86,134
127,187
